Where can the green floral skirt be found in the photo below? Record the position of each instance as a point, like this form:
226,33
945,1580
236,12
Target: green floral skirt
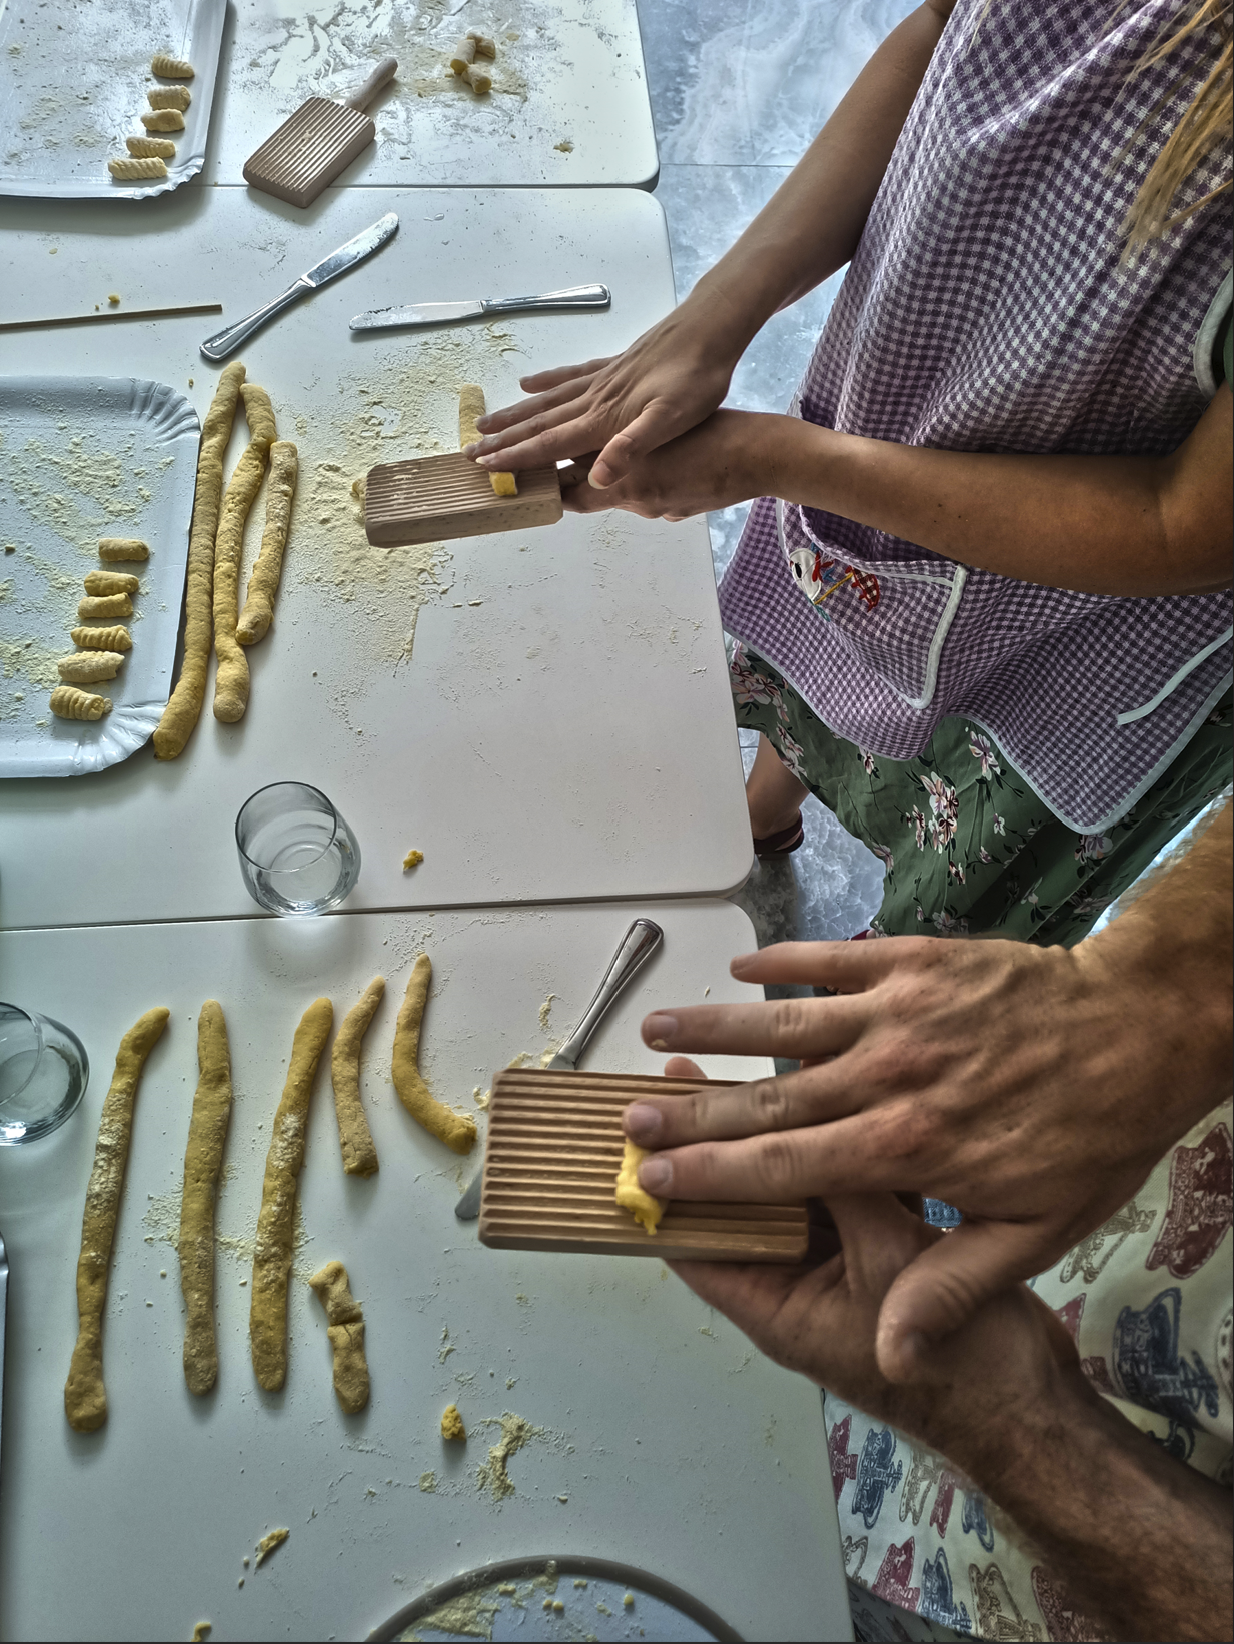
966,844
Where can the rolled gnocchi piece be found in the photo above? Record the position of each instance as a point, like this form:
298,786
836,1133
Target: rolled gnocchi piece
464,55
110,582
150,148
170,97
484,46
479,77
93,609
170,68
67,702
113,548
162,119
91,665
103,639
132,171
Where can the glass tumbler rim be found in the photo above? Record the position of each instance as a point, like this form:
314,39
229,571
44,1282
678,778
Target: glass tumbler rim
307,787
36,1023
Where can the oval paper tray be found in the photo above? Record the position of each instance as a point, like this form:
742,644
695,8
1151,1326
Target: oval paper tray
82,458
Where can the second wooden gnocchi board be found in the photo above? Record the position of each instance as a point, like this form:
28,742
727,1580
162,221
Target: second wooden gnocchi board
555,1145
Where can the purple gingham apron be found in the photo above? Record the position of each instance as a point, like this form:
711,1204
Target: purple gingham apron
986,310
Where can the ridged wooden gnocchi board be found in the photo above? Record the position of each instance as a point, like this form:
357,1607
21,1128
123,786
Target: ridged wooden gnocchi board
433,499
554,1148
308,150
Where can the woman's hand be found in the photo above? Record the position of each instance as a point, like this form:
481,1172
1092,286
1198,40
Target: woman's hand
672,378
725,460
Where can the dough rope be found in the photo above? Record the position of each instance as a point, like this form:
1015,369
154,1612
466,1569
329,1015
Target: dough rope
150,148
203,1161
272,1247
96,607
170,68
113,548
102,639
231,682
258,612
84,670
85,1397
471,406
645,1209
110,582
130,170
170,97
162,119
345,1330
67,702
456,1130
355,1138
183,710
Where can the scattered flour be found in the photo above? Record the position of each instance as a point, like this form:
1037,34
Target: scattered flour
515,1431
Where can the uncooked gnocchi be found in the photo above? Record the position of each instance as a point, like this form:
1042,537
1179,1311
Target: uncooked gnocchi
110,582
170,68
170,97
67,702
131,171
92,609
150,148
123,548
162,119
103,639
89,666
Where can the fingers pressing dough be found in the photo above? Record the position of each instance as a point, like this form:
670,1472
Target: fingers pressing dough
150,148
67,702
355,1138
456,1130
231,683
170,97
102,639
203,1160
85,1398
631,1196
258,609
272,1249
182,711
170,68
83,670
471,406
111,582
345,1329
113,548
131,171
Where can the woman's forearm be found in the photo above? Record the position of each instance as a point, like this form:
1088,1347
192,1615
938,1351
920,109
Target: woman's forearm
1102,525
812,224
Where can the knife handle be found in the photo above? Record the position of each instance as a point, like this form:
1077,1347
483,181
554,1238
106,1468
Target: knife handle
225,342
637,946
578,296
364,94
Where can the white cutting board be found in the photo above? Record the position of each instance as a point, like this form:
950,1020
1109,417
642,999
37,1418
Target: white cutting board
563,729
678,1448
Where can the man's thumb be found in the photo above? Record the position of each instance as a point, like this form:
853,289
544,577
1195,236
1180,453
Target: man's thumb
652,427
941,1290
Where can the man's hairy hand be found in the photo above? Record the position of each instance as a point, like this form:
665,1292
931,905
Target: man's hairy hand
1033,1088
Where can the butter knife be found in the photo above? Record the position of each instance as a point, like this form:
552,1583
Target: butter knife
637,946
417,314
329,268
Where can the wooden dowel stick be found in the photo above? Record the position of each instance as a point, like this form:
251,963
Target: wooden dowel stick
112,314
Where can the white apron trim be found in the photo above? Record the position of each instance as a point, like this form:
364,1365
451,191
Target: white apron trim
1172,685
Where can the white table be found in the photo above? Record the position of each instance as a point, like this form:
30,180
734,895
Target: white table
572,72
563,730
679,1449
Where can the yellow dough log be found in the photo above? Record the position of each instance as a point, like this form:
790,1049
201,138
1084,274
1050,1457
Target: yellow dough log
471,406
345,1330
170,68
110,582
272,1247
113,548
456,1130
203,1161
162,119
480,78
182,712
92,665
96,609
135,171
258,612
150,148
464,55
170,97
102,639
355,1138
85,1397
630,1196
67,702
231,683
484,46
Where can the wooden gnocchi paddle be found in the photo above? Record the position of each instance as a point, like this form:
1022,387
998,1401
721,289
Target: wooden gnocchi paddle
317,142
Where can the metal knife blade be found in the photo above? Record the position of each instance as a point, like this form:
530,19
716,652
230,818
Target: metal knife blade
355,251
377,319
577,297
637,946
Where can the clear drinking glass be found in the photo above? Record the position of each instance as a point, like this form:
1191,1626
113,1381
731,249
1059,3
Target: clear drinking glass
297,854
43,1072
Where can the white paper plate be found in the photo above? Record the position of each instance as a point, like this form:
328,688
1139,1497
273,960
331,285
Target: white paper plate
82,458
73,83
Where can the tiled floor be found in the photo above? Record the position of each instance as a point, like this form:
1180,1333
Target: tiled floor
739,88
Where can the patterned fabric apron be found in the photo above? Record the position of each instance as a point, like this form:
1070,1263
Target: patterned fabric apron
986,310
